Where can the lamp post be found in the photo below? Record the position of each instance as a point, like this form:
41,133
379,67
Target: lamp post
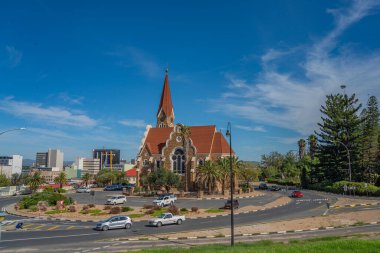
14,129
229,133
349,160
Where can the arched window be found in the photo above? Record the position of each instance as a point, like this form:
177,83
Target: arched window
179,161
146,163
201,162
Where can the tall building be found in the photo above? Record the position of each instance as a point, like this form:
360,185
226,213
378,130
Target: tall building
41,159
163,146
55,158
91,166
50,159
10,165
79,163
106,156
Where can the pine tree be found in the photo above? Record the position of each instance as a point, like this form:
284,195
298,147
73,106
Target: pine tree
339,138
370,140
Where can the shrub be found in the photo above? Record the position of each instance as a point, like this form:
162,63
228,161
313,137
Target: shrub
155,208
72,209
115,210
149,211
91,205
194,209
48,189
174,210
184,210
50,197
59,190
42,205
107,208
33,208
127,209
148,206
85,208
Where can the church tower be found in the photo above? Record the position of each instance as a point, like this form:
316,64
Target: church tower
165,114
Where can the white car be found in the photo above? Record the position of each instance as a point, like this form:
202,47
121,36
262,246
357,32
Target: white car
118,199
165,200
83,189
166,219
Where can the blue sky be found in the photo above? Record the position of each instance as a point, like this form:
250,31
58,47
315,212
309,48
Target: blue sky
88,74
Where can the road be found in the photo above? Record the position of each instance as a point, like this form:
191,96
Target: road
81,236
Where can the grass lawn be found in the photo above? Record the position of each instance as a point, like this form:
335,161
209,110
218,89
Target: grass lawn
327,244
215,211
136,215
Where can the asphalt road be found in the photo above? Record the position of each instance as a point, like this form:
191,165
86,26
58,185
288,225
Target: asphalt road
83,236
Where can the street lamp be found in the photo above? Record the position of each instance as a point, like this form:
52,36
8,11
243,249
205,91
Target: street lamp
14,129
229,133
348,156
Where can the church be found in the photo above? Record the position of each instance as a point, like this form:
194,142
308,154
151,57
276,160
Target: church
163,147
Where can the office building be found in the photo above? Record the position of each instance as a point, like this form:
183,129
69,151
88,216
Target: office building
91,166
10,165
106,156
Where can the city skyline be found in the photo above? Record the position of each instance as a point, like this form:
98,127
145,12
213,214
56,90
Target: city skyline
81,77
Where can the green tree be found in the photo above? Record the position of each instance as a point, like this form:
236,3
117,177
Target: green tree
313,143
4,181
208,174
86,177
248,174
36,180
16,179
61,179
163,178
370,139
105,177
340,128
301,148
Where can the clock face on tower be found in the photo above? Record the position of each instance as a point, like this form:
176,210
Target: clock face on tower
179,139
162,118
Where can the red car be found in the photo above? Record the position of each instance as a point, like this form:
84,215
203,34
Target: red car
297,194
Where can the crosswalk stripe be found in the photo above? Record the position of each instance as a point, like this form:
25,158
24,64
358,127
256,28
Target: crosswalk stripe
51,228
70,227
39,227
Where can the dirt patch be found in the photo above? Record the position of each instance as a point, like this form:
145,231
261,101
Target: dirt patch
345,219
348,201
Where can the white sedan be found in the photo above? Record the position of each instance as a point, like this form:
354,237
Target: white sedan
118,199
83,189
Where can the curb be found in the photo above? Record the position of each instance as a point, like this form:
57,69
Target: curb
241,235
356,205
224,198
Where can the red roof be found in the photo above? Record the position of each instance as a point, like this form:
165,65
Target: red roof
205,138
166,99
131,173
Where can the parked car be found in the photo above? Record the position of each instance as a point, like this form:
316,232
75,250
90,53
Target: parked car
114,187
263,186
114,222
117,199
83,189
297,194
275,188
165,200
228,205
166,219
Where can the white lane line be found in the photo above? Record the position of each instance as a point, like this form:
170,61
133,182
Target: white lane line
47,237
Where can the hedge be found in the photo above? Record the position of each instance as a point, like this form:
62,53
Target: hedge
50,197
338,187
282,181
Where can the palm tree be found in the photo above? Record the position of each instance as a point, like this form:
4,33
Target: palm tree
312,145
208,173
61,179
301,148
86,178
35,181
224,171
185,134
237,165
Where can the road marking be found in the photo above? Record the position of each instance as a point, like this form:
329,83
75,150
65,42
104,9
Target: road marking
39,227
47,237
70,227
29,225
52,228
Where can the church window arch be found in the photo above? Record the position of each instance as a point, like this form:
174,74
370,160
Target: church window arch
178,161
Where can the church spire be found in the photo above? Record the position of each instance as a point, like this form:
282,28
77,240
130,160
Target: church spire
165,113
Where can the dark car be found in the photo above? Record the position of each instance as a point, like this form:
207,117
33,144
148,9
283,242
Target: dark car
228,205
263,186
297,194
275,188
114,187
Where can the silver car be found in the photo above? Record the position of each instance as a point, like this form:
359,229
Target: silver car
114,222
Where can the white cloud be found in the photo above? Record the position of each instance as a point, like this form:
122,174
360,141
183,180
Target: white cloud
131,56
48,115
252,129
14,56
71,100
292,99
133,122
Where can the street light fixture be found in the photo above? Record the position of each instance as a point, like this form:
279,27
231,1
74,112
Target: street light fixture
14,129
229,133
348,156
